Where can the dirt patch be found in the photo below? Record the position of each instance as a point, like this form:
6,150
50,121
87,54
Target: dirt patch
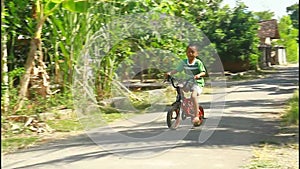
284,155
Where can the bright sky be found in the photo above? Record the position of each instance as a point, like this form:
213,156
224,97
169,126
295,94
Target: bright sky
276,6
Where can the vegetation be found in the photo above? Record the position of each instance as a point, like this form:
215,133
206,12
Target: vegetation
264,15
274,156
293,11
292,115
280,155
47,36
289,36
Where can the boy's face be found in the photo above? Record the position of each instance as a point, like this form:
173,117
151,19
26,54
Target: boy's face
191,52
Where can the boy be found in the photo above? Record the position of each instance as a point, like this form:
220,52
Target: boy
194,67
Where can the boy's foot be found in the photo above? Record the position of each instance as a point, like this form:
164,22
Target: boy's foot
196,121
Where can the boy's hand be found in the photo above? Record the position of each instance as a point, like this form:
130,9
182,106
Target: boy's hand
167,74
197,76
170,73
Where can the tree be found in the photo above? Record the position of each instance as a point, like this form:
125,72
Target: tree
288,38
4,68
40,13
264,15
293,12
64,27
42,9
239,40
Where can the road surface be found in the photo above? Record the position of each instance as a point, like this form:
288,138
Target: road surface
249,117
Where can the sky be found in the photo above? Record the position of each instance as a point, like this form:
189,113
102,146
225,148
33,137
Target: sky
276,6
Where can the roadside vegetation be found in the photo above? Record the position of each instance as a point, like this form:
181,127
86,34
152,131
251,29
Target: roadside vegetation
291,117
281,155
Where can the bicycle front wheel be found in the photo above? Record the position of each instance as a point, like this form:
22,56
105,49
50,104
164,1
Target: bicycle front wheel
173,117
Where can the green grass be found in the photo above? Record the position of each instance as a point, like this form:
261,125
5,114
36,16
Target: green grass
14,143
271,154
65,125
259,164
267,156
112,117
23,137
291,116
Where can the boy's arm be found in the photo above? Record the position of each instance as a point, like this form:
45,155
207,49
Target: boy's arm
197,76
202,70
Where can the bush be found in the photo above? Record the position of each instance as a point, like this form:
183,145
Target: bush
292,114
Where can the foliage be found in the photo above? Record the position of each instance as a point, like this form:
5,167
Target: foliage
20,26
70,25
239,41
288,38
15,75
292,114
264,15
40,104
293,12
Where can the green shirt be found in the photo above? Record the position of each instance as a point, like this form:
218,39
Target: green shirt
192,69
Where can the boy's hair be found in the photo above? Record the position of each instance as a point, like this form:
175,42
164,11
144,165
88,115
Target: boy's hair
193,45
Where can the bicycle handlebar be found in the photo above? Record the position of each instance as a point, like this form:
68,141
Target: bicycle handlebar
171,79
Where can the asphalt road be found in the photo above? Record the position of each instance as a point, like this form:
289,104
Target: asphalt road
249,116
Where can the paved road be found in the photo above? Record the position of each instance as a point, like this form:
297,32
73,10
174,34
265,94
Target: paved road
250,116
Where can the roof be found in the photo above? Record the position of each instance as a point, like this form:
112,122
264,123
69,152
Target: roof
268,28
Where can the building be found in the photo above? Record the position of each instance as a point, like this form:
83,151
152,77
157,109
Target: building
268,34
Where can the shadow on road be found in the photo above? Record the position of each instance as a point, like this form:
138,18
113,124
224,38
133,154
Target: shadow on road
245,122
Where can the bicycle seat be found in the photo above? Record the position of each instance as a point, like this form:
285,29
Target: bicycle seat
180,85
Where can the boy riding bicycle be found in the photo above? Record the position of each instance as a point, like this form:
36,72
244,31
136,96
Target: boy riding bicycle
193,66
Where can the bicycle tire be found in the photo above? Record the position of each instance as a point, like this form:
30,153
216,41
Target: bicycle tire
173,122
201,112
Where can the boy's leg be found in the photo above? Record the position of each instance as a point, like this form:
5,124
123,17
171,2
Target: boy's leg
196,106
196,91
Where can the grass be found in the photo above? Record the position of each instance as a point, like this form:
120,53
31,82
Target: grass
274,155
268,156
14,143
65,125
291,117
23,138
112,117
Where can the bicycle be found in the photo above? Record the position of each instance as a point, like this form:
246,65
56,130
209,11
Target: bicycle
182,105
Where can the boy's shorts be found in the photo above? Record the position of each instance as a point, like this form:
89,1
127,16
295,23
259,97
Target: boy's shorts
194,87
197,88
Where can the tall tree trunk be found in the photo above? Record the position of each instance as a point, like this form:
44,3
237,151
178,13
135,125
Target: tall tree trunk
4,75
4,68
34,53
23,93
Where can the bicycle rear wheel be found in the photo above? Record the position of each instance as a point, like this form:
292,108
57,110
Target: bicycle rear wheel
201,112
173,117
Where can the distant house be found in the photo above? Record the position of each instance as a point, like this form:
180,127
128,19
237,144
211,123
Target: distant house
268,33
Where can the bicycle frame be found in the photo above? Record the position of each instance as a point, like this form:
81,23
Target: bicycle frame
183,104
186,105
